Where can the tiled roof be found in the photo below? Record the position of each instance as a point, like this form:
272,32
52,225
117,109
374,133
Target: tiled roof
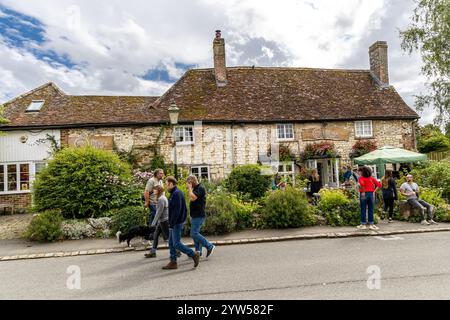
251,95
284,94
64,110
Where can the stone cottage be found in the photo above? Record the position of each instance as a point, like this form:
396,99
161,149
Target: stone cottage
228,116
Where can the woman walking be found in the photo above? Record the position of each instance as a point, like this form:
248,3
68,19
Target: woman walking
161,220
368,186
389,191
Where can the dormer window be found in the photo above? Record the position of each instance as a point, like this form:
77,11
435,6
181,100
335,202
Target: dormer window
35,106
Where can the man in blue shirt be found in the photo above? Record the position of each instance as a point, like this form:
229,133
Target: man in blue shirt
177,218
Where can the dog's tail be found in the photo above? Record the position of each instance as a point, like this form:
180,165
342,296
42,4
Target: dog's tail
118,235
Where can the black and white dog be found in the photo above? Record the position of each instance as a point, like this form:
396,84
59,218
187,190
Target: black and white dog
135,231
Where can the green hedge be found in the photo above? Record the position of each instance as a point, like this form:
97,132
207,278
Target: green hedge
85,182
123,219
45,227
248,181
434,174
338,209
287,209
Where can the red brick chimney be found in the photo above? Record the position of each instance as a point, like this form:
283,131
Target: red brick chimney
378,54
220,68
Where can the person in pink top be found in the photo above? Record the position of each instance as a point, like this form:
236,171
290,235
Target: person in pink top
368,186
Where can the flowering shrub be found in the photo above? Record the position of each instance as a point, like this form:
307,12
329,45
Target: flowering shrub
319,150
141,177
80,229
362,147
76,230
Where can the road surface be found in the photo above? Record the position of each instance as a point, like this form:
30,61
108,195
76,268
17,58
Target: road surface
415,266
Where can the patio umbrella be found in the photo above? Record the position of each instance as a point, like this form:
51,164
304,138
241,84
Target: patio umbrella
389,154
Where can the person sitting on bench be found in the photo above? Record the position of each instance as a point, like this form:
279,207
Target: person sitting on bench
410,190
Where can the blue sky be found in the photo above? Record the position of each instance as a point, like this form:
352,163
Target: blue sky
140,47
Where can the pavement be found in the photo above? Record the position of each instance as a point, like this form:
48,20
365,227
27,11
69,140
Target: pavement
21,249
405,266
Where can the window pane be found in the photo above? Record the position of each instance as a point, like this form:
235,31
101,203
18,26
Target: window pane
39,167
289,131
194,171
189,134
2,178
24,177
288,168
280,168
12,177
280,129
360,128
35,106
368,128
179,135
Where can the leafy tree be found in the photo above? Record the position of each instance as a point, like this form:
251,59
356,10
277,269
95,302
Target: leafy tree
2,119
248,181
430,138
429,33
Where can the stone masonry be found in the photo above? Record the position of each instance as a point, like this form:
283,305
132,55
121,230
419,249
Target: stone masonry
223,146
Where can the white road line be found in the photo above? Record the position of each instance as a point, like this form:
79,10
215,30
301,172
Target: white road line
389,238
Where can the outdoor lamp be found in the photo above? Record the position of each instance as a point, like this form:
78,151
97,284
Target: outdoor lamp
174,113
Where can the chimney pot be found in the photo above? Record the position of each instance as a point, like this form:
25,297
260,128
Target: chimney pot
218,34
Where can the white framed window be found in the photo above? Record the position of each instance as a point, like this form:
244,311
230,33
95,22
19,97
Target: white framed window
201,172
363,129
285,132
287,170
15,177
19,177
39,166
332,176
2,178
35,106
184,135
311,164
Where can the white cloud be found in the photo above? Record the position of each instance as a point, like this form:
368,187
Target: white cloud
115,41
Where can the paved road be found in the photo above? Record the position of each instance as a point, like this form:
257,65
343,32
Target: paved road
413,266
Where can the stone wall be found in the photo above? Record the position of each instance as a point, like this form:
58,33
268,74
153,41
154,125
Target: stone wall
19,201
222,146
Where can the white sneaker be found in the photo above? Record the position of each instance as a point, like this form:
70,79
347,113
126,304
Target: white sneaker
432,222
361,227
425,223
373,227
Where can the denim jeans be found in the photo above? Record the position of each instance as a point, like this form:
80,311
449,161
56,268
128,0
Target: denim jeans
199,240
176,244
152,213
422,205
367,205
